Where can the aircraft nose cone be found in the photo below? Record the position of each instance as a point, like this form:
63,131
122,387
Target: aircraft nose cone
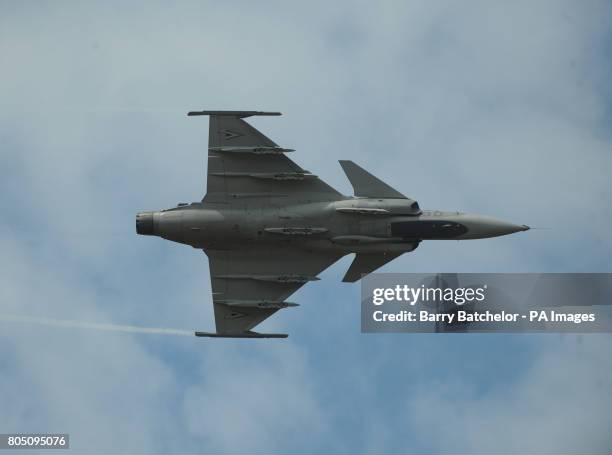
481,226
510,228
498,227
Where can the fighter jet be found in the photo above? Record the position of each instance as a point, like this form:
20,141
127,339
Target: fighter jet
268,226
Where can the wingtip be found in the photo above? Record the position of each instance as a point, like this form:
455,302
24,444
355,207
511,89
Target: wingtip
247,334
241,114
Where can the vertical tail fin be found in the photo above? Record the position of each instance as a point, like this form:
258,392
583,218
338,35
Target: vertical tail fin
366,185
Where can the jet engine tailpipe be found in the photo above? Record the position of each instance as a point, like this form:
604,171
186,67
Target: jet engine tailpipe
144,223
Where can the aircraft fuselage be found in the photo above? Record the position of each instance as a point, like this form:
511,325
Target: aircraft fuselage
351,225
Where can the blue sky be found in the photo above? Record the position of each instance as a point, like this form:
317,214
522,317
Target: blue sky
491,107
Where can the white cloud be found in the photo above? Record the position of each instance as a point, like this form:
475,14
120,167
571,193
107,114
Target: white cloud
254,404
559,405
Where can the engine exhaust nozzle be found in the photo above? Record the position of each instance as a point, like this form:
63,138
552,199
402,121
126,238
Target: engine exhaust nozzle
145,224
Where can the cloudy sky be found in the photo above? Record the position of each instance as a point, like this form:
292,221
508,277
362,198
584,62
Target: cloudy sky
492,107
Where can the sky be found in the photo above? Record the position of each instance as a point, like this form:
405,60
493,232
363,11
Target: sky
500,108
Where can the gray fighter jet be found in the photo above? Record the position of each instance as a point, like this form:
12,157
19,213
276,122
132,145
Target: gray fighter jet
268,226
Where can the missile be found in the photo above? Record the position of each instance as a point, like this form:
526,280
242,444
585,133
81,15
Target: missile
240,335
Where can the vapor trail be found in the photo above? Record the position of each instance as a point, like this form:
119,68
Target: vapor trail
93,325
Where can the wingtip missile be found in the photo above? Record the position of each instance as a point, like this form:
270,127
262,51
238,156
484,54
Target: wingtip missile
241,114
241,335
